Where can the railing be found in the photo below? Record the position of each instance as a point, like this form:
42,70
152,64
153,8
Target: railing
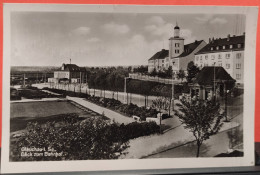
155,78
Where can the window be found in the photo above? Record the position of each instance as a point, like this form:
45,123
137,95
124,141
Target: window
227,66
162,65
238,66
230,46
212,57
219,56
211,48
177,51
177,44
201,59
162,61
206,57
217,48
227,55
224,47
220,64
239,45
238,76
238,55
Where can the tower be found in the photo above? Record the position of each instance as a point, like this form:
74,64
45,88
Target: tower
176,43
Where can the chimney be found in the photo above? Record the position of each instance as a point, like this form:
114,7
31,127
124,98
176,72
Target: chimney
228,37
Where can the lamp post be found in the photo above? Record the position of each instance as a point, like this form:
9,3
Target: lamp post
214,88
172,89
226,94
125,98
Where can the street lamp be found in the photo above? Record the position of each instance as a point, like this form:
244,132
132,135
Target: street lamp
172,89
125,99
214,88
226,93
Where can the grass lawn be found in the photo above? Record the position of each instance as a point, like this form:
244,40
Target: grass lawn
43,109
22,113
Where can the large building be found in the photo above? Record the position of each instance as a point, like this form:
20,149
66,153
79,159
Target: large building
69,73
178,56
225,52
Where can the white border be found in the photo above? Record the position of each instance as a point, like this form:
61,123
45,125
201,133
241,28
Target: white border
135,164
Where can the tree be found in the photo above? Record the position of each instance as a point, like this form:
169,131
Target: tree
161,103
193,70
169,72
181,74
200,117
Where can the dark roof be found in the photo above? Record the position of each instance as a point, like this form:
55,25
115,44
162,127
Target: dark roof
206,75
73,68
232,40
160,55
189,48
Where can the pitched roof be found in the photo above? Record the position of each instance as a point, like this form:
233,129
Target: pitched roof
206,75
73,68
160,55
232,40
189,48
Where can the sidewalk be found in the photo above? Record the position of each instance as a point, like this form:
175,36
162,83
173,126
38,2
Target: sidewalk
117,117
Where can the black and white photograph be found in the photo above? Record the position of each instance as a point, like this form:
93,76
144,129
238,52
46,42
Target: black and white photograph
109,83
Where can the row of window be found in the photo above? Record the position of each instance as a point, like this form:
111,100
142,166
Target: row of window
238,65
231,46
227,56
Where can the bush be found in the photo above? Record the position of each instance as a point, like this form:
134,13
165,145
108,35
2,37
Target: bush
76,139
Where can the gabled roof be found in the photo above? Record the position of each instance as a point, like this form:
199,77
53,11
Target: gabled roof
206,75
189,48
160,55
73,68
232,40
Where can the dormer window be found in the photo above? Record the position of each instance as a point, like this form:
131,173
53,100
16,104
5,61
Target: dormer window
239,45
224,47
211,48
230,46
217,48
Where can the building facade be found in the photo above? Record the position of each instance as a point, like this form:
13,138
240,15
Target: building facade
178,56
69,73
225,52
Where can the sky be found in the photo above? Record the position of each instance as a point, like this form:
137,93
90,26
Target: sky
107,39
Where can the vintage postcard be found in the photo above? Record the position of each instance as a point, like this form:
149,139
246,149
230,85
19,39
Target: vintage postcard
123,87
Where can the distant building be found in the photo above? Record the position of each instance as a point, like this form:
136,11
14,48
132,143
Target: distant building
178,56
209,81
69,73
225,52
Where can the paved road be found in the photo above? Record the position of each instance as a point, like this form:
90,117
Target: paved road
117,117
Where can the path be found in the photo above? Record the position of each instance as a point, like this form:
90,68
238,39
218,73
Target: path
117,117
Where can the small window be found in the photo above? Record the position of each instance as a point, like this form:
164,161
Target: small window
227,66
219,56
217,48
162,61
211,48
239,45
238,55
224,47
212,57
238,76
220,64
177,51
230,46
206,57
227,55
238,66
